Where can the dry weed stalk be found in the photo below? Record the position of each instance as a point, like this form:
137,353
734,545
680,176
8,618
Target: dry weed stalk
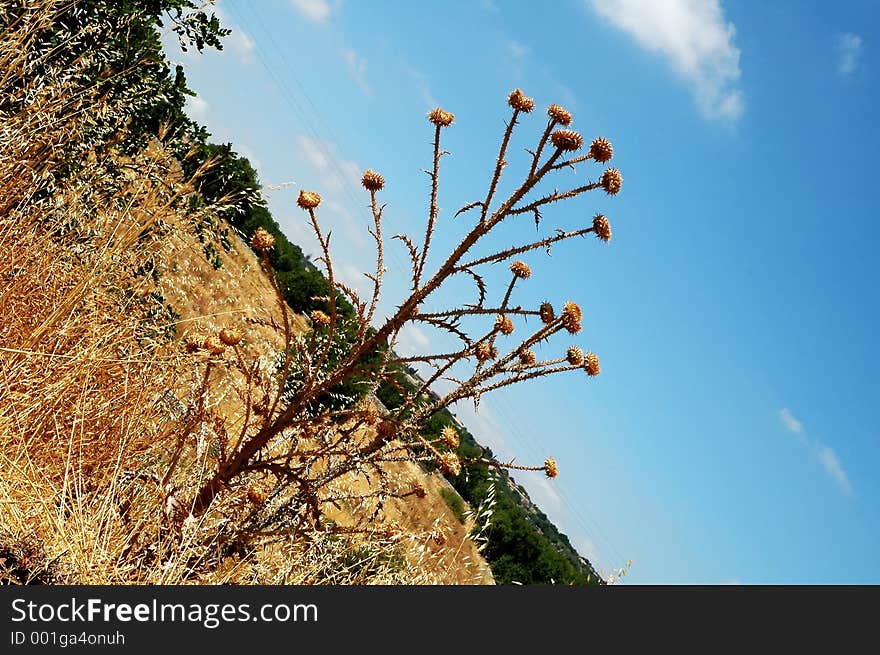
148,486
312,448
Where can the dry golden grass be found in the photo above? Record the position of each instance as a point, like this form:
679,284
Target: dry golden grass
88,428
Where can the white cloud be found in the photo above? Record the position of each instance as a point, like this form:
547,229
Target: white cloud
516,49
357,68
695,38
833,467
335,172
849,51
822,452
423,86
197,109
238,41
790,422
315,10
411,341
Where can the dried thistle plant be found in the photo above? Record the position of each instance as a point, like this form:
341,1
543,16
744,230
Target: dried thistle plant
311,449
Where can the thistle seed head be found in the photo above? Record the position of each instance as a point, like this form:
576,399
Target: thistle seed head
602,227
440,117
518,100
262,240
387,429
503,324
521,269
450,436
372,181
550,467
230,336
319,318
591,364
571,317
546,313
567,140
308,199
601,150
559,114
370,414
213,345
611,181
575,356
255,495
527,357
194,342
449,463
486,352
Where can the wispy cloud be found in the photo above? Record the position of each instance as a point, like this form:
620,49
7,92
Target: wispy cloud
697,41
516,49
790,422
849,52
357,68
336,174
423,86
197,109
238,41
314,10
822,452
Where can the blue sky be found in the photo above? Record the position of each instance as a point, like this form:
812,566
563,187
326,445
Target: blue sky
733,434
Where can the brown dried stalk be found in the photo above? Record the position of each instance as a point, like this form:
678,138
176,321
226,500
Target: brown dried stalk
357,441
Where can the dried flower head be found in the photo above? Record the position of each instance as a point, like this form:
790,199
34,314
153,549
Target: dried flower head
213,345
262,240
521,269
320,318
370,415
611,181
546,313
601,150
308,199
419,490
372,181
439,536
486,352
255,495
527,357
518,100
567,140
591,364
503,324
450,436
230,336
571,317
440,117
575,356
550,467
194,341
387,429
449,463
559,114
602,227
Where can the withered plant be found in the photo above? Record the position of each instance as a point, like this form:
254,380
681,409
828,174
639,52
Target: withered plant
311,451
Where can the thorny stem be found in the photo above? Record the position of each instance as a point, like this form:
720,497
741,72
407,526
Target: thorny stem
550,125
507,254
390,329
433,209
499,165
